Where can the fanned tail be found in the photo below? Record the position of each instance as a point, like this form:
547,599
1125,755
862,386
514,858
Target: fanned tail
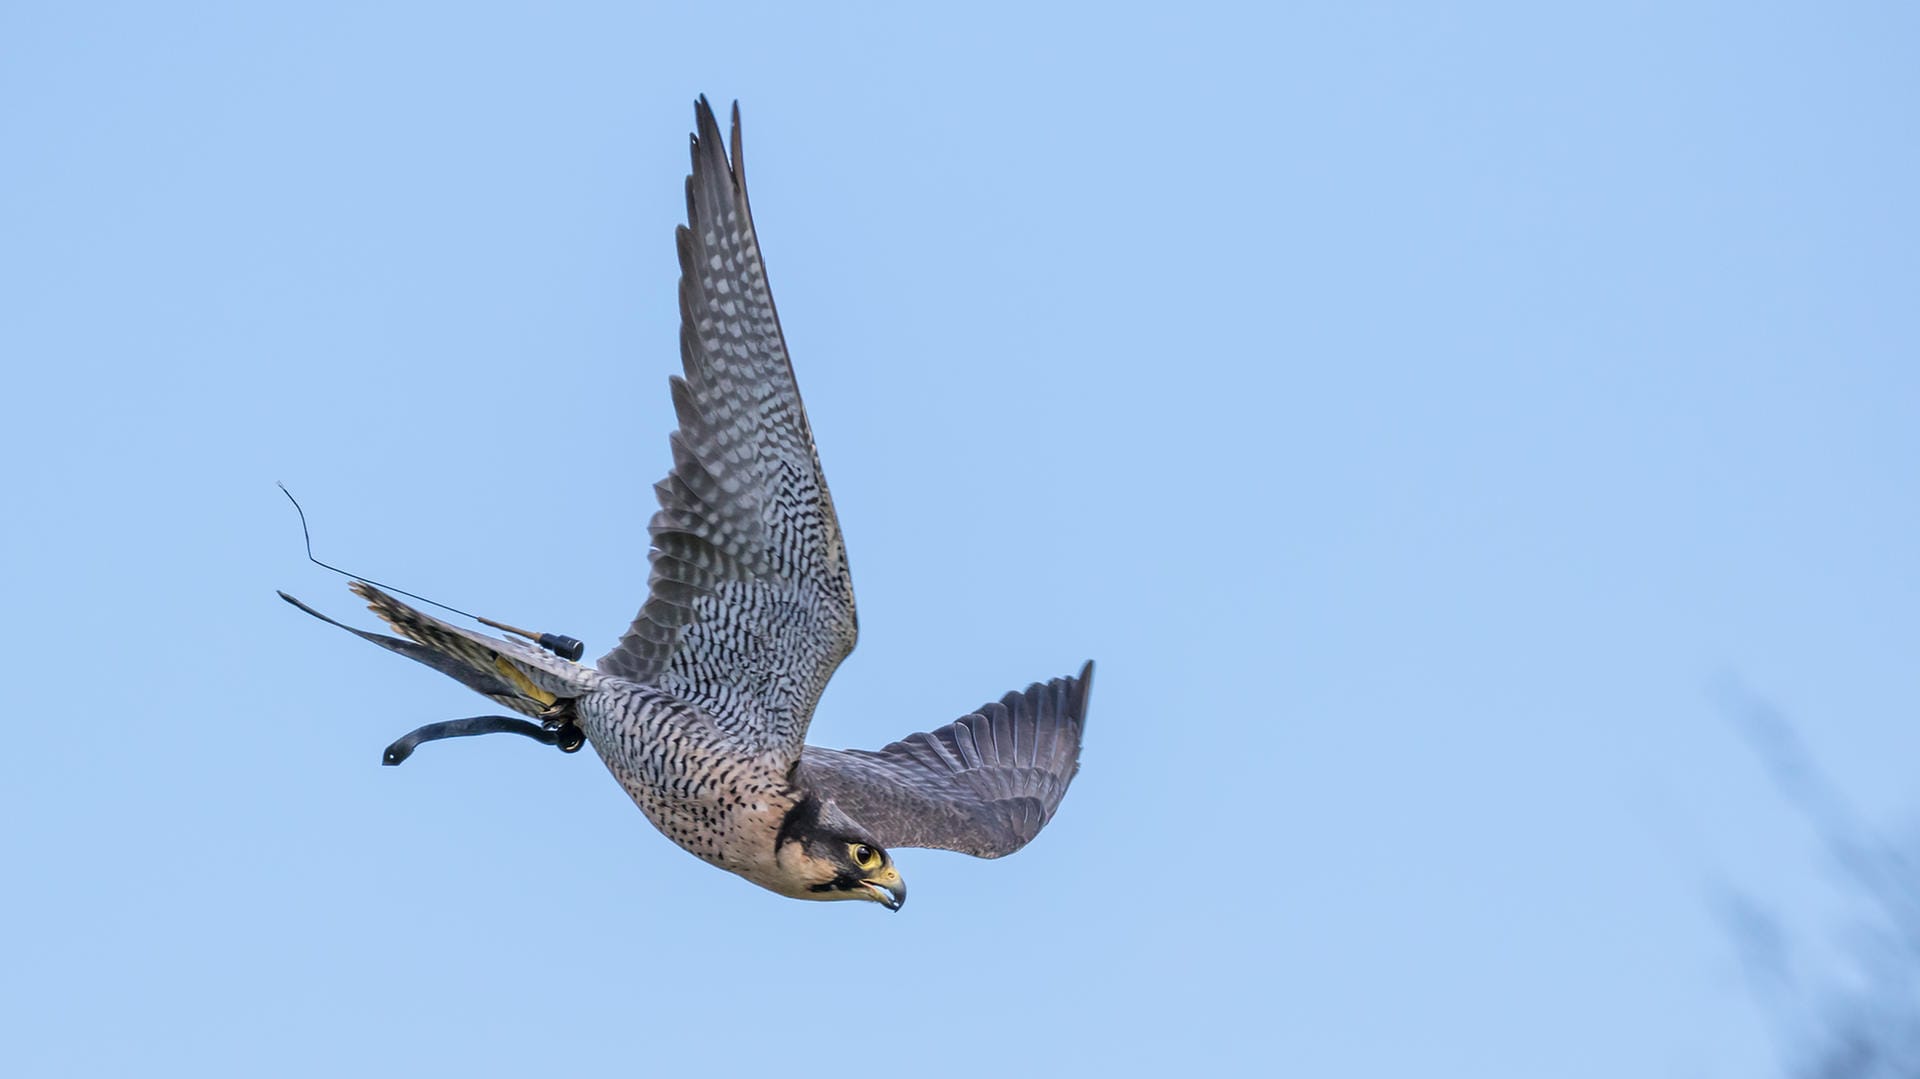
515,675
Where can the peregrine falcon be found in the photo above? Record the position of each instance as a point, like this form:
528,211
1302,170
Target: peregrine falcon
701,710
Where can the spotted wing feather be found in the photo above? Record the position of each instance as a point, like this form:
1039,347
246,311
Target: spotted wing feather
750,603
984,784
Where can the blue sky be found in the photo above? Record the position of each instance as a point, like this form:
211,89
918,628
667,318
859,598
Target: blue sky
1424,417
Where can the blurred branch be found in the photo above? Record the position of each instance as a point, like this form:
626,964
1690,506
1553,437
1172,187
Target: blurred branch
1878,868
1870,1030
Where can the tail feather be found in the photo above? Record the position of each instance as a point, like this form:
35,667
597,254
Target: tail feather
515,675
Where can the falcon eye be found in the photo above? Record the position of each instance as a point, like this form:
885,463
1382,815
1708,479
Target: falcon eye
864,857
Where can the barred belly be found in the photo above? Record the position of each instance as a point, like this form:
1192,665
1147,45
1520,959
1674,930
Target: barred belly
688,777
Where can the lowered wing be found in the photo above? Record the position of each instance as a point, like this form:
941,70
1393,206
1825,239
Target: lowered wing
983,785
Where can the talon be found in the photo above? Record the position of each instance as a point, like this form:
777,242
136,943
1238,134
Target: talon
558,716
571,738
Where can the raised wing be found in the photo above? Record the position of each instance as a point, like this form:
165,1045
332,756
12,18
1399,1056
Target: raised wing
750,605
984,784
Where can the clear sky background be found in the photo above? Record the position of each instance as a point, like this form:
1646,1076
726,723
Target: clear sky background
1426,418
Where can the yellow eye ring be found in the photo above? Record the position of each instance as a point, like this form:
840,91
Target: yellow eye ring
864,857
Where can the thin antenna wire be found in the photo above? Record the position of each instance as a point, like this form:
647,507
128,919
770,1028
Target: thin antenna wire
308,537
569,648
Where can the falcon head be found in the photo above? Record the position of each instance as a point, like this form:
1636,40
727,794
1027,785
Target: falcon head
822,854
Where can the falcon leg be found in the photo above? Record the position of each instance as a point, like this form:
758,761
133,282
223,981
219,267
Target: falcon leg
559,721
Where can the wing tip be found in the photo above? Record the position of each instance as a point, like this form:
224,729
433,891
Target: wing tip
1082,691
707,139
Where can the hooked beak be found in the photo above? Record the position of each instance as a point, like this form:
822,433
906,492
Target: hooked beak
889,891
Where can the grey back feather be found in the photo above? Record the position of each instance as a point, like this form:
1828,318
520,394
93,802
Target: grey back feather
984,784
750,603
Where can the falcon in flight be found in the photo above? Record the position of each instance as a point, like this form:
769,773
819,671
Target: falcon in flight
701,711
